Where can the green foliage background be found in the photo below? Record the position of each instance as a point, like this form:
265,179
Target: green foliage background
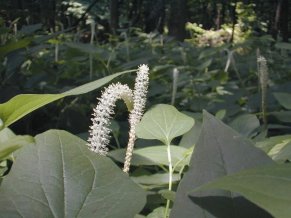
186,162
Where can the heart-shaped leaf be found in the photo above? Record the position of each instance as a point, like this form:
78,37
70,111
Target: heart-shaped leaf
21,105
219,151
269,187
164,123
59,176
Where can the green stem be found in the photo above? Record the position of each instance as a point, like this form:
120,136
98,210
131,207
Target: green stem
166,214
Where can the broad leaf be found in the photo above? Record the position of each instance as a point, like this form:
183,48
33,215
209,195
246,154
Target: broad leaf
164,123
155,155
284,99
60,177
269,187
21,105
219,151
245,124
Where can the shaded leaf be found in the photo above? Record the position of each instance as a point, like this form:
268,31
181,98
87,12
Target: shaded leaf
12,46
283,116
164,123
190,138
59,177
245,124
269,187
155,179
284,99
283,45
219,151
86,48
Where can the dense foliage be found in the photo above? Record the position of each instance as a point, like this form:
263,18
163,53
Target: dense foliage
215,140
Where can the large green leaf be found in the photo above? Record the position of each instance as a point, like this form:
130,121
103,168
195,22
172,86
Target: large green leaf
60,177
164,123
21,105
219,151
155,155
269,187
284,99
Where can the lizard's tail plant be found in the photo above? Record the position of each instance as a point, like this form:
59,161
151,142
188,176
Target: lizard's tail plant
99,131
139,101
263,80
135,101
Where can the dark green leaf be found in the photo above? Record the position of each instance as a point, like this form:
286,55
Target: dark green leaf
219,151
12,46
155,179
60,177
245,124
284,99
269,187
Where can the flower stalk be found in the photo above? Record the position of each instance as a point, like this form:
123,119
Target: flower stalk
139,101
135,101
263,80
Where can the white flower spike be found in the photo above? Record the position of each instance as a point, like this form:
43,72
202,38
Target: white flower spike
139,101
99,131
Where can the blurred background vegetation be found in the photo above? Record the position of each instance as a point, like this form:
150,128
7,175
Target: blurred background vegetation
202,55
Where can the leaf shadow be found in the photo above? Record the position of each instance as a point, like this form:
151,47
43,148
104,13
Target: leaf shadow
226,207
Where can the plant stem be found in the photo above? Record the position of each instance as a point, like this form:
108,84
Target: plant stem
166,214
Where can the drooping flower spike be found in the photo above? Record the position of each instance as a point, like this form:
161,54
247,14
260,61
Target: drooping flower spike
99,131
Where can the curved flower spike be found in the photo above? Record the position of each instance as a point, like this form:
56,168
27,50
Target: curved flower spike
99,131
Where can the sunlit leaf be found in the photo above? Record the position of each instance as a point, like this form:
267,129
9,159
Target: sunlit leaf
164,123
21,105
